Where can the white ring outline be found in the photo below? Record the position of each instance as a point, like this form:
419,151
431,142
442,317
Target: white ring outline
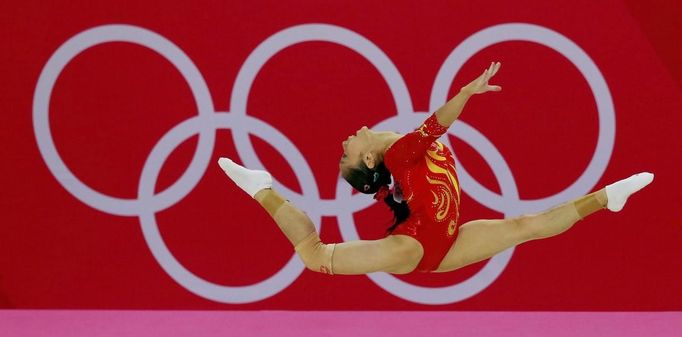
492,269
586,66
287,38
41,102
197,285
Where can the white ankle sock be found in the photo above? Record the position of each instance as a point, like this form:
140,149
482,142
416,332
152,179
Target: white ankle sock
251,181
618,192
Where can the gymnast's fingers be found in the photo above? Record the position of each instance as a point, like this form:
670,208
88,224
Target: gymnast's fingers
496,68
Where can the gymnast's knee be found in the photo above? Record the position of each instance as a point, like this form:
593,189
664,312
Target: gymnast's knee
316,255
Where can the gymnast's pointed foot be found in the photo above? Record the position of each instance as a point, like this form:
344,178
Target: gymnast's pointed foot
251,181
618,192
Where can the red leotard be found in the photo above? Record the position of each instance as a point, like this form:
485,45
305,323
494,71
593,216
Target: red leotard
425,171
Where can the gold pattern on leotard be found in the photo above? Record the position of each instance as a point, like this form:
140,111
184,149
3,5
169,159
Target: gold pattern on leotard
442,193
451,227
442,199
437,169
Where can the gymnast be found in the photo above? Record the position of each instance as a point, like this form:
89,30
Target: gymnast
425,200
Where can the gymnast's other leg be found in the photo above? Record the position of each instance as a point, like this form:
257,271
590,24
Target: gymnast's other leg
481,239
396,254
295,225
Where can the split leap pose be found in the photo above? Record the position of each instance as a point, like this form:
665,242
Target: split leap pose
426,236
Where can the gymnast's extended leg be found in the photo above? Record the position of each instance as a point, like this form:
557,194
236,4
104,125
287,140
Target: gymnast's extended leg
481,239
396,254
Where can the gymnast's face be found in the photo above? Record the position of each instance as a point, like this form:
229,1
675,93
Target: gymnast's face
356,148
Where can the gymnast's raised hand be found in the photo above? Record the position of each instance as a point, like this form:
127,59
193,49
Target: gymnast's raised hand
480,84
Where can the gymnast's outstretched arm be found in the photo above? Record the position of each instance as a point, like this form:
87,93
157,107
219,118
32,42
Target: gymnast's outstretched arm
448,113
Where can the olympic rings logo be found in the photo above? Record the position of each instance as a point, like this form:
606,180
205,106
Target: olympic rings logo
148,203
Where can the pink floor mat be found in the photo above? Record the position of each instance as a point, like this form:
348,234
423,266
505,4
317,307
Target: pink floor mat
77,323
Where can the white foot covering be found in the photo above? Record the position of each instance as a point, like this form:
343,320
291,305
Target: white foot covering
618,192
251,181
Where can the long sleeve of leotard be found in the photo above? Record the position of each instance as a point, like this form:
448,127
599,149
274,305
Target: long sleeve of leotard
412,147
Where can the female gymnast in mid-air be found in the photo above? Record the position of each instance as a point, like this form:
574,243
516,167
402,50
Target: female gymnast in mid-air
425,199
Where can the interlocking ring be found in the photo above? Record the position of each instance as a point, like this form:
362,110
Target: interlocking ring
148,203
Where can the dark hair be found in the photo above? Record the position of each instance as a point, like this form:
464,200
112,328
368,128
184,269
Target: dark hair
369,181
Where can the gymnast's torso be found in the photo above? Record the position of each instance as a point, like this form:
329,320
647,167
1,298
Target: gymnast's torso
424,170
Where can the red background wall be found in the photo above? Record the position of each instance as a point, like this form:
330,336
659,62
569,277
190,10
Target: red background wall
113,102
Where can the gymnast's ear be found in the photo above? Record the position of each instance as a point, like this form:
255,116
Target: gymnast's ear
369,159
